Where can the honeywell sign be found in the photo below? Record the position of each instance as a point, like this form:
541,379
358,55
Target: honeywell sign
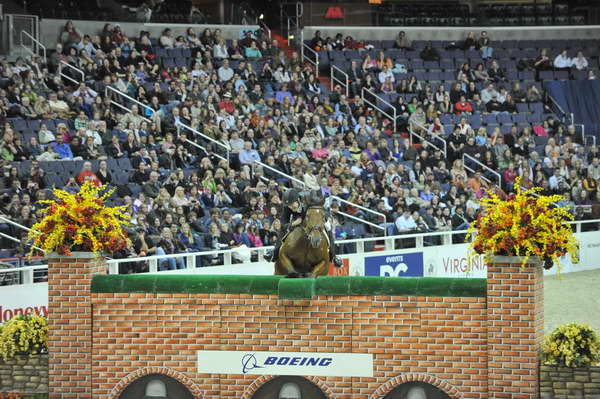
23,300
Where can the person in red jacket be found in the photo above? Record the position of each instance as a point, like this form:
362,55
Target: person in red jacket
86,174
226,103
463,106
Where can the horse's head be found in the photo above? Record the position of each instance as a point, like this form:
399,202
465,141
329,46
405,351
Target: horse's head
314,223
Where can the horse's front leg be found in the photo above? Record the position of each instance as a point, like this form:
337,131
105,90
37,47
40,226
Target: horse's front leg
321,269
286,266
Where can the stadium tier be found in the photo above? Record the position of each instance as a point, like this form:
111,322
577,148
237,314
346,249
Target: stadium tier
200,136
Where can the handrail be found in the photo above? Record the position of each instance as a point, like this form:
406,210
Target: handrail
498,175
315,62
226,147
583,138
20,226
133,100
2,218
204,149
79,71
336,198
303,184
334,79
36,41
285,175
443,149
564,114
393,117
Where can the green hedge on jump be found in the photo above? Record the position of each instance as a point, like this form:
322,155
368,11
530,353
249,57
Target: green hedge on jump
288,288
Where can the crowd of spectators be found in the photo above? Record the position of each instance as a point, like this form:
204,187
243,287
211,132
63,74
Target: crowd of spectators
263,103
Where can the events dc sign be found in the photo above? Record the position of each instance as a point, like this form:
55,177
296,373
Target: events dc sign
402,265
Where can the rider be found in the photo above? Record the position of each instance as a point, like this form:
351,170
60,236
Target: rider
291,216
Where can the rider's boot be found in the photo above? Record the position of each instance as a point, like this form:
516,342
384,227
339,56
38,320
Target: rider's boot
271,256
337,262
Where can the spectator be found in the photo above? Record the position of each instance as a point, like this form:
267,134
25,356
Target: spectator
542,62
580,62
86,174
484,45
402,41
248,155
429,53
563,61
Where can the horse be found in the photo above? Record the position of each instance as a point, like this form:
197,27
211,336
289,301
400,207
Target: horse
305,249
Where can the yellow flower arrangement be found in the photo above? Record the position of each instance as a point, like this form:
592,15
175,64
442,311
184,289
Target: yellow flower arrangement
572,345
81,222
23,335
525,224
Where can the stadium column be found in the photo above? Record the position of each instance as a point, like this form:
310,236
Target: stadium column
515,306
70,323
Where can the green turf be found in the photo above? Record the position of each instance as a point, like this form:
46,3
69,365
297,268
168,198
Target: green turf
291,288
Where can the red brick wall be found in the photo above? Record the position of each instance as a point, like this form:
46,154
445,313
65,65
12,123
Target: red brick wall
70,324
468,347
516,327
441,337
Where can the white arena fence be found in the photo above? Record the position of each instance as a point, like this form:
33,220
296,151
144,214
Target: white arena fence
409,255
239,260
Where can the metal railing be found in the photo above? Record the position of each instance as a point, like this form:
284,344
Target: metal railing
392,116
334,79
257,253
292,21
19,226
362,208
282,174
225,147
487,168
443,148
584,138
76,70
202,148
35,49
314,62
113,94
560,109
330,198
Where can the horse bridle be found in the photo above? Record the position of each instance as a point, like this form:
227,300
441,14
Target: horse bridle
306,230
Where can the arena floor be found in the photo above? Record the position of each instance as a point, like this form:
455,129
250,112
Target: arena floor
572,297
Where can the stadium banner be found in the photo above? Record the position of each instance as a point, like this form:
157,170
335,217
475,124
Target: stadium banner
286,363
395,265
23,299
452,261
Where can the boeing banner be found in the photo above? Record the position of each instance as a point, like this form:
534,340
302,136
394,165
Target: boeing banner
286,363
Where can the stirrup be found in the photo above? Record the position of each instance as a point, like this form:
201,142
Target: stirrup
337,262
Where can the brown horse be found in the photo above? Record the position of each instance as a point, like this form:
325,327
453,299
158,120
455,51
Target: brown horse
305,250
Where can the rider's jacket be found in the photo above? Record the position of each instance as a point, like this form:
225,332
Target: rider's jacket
288,216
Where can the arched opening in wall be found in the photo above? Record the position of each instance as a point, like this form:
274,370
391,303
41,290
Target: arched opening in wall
289,387
416,390
156,386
